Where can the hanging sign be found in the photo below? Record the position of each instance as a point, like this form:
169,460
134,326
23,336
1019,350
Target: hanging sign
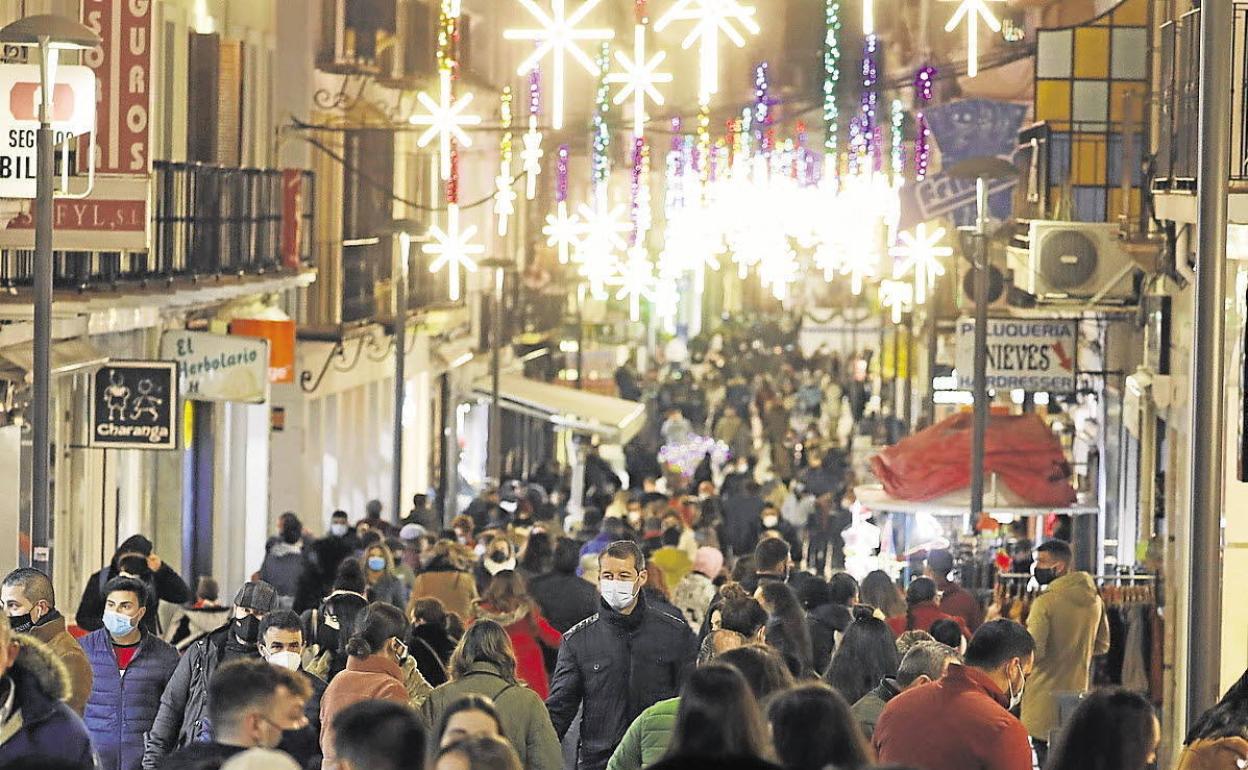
281,337
134,405
1023,354
73,115
219,367
123,64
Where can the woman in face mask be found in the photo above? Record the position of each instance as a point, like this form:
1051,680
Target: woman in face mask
374,670
383,583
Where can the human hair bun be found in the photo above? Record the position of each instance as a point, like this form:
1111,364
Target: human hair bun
359,647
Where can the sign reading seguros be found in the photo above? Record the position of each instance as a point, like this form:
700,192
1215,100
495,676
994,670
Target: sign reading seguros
1023,354
219,367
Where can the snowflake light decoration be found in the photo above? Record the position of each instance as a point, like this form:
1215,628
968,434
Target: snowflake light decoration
446,120
921,253
971,11
639,78
897,296
558,35
711,18
504,197
563,231
453,248
636,281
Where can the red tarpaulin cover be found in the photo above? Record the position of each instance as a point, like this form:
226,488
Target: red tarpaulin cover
1021,450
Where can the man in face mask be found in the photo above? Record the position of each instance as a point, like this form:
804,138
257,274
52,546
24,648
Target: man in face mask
30,603
619,662
117,714
1069,624
183,715
135,558
327,554
281,644
252,704
965,717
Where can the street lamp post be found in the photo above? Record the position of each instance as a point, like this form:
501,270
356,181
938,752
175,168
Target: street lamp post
406,231
48,35
499,265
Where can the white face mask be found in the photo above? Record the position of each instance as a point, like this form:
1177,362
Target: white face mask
1017,697
770,521
338,530
286,659
618,594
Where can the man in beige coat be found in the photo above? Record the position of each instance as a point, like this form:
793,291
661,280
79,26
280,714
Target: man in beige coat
30,603
1069,625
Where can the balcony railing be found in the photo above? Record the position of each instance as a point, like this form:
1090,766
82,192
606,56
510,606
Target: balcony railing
1179,63
206,221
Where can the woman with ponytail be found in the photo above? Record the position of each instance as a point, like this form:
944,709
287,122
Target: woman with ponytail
376,654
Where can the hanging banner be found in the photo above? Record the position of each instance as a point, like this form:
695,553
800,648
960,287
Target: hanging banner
1037,356
134,405
219,367
123,65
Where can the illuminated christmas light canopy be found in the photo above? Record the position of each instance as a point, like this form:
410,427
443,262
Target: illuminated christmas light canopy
453,248
971,11
639,78
504,195
446,121
921,254
711,18
559,35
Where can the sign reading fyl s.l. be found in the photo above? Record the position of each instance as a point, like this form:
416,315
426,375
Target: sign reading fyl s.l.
134,405
1023,354
219,367
72,113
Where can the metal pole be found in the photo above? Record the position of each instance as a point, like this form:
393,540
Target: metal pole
1204,563
580,337
496,412
909,410
929,405
41,408
398,281
980,425
897,373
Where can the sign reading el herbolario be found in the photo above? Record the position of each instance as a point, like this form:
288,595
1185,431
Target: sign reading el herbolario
1023,354
134,405
219,367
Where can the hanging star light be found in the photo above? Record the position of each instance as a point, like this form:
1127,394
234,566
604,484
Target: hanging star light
636,281
921,253
606,227
897,296
559,35
639,78
446,120
562,230
453,248
711,18
972,11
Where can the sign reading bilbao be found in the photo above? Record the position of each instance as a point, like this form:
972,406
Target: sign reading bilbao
134,405
1023,354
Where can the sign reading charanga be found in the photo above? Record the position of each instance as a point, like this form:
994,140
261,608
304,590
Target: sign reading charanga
134,405
1023,354
219,367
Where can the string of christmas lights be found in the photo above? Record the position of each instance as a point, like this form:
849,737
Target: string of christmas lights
832,78
924,81
531,155
504,195
602,132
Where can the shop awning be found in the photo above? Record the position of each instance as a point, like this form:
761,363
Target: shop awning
16,361
997,502
614,420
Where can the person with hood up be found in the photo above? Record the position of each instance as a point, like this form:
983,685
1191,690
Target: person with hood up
183,714
192,622
506,602
1069,624
134,557
284,562
35,722
696,591
30,604
447,581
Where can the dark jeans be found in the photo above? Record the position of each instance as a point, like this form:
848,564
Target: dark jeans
1042,751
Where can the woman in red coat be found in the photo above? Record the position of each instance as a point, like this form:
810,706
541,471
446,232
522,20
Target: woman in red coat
922,610
506,602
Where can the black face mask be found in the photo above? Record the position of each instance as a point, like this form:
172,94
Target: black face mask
1044,575
247,629
21,623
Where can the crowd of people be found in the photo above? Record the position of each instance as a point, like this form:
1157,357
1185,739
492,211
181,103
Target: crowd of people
685,620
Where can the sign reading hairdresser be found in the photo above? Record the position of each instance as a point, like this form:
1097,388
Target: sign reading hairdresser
219,367
1023,354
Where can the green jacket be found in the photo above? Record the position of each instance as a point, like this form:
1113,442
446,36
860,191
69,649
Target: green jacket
647,737
526,723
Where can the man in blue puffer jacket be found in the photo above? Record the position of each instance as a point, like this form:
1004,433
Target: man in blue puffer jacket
130,668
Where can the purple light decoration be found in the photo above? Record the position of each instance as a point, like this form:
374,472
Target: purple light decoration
924,81
561,174
868,130
535,92
639,162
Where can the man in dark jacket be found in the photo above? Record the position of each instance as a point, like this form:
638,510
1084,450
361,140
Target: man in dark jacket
285,562
251,704
743,523
326,554
281,644
130,668
30,602
619,662
926,662
565,599
35,723
134,557
183,714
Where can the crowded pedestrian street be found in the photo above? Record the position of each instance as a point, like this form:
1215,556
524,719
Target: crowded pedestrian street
623,385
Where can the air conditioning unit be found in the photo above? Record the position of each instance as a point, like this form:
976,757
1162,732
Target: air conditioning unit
1075,262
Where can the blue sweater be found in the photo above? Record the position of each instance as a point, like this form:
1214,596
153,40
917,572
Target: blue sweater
122,708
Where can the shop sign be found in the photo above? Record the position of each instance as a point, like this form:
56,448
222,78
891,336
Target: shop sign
134,405
219,367
281,337
293,234
1034,355
123,64
73,115
114,217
